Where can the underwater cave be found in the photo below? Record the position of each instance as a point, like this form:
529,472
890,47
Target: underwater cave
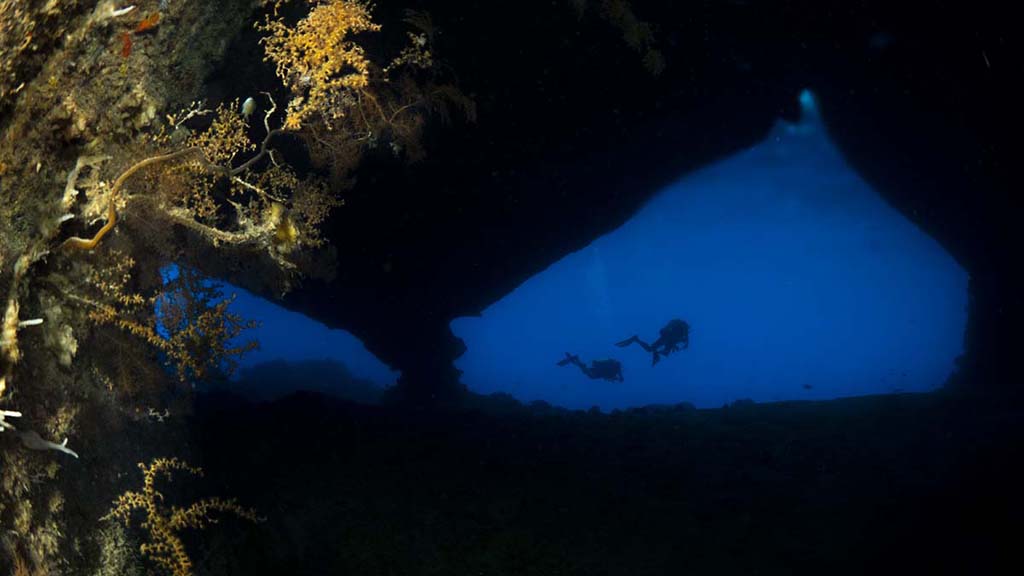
575,288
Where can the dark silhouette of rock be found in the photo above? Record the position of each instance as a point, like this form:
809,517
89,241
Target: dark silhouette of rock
279,378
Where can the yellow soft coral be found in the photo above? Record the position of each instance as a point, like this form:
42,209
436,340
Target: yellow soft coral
318,59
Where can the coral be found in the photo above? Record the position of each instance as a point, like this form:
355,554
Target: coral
117,556
182,191
66,92
226,137
103,185
200,329
5,414
231,191
9,333
164,523
90,243
318,59
195,329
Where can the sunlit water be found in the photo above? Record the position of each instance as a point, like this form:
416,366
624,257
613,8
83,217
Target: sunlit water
798,280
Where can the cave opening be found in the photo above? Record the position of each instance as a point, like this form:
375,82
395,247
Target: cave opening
798,282
295,353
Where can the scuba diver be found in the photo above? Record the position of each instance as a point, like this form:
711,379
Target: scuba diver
674,334
610,369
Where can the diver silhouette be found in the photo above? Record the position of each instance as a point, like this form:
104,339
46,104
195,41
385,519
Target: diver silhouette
610,369
670,337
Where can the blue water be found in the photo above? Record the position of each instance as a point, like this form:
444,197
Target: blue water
295,338
797,279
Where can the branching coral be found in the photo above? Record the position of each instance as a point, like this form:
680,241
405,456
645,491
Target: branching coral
165,523
195,329
343,103
183,191
89,244
205,188
319,60
200,330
